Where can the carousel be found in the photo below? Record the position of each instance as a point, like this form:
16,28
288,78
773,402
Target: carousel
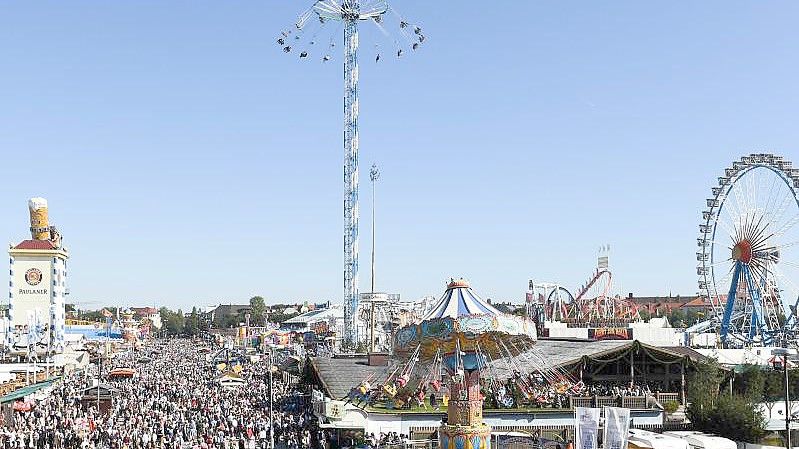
466,352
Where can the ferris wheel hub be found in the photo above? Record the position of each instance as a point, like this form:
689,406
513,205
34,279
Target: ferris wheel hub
742,251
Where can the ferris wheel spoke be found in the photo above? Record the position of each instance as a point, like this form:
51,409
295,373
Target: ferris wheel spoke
740,194
751,193
793,265
738,206
779,215
783,246
729,228
773,197
784,195
787,226
725,280
794,293
720,263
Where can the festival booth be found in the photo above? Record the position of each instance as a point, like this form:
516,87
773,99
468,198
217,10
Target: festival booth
101,396
20,400
230,380
121,373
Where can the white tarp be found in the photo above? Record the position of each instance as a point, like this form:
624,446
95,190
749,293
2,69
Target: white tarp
617,427
586,427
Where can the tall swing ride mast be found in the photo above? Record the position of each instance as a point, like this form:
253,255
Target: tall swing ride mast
350,13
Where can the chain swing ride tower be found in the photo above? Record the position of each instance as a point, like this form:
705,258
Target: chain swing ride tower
348,13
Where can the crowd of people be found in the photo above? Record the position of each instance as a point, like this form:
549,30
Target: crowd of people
173,401
621,389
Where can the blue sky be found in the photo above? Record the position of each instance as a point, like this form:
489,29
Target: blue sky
187,160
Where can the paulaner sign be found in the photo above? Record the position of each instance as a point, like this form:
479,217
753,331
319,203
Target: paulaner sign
25,291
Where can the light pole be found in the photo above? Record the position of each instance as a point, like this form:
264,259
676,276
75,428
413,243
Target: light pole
271,415
374,175
99,377
784,353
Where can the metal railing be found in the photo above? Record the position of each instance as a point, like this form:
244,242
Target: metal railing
632,402
665,397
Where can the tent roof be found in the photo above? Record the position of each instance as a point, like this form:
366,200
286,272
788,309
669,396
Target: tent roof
459,299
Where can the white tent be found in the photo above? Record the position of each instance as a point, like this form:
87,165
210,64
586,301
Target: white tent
230,380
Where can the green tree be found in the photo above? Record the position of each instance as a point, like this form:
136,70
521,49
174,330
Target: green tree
173,323
670,407
92,315
703,392
677,318
258,311
750,382
737,418
192,324
774,387
733,416
692,317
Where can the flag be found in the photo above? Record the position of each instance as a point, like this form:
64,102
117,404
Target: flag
586,427
617,426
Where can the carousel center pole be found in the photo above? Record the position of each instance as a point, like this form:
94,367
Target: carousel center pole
465,428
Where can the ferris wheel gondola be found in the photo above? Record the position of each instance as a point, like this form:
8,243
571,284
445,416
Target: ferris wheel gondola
747,266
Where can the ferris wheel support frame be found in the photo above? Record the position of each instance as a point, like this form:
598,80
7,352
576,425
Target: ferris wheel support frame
757,323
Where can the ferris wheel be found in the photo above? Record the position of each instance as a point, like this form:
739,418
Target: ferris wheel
748,263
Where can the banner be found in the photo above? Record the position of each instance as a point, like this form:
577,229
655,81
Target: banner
617,428
610,333
586,427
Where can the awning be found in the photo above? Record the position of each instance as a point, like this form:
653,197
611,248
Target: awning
122,372
25,391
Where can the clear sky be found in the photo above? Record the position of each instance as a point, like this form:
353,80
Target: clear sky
187,160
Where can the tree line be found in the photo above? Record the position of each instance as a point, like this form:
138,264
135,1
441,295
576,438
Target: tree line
726,403
176,322
195,322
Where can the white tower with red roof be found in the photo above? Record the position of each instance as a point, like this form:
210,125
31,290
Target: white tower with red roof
38,270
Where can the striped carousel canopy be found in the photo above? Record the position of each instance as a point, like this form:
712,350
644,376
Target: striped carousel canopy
460,300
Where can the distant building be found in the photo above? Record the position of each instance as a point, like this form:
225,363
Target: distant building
38,272
225,313
148,313
698,304
659,305
506,307
318,320
290,311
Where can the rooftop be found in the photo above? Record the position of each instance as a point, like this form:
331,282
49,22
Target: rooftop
36,245
339,374
316,315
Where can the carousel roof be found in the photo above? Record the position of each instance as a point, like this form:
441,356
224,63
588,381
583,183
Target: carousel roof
459,299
